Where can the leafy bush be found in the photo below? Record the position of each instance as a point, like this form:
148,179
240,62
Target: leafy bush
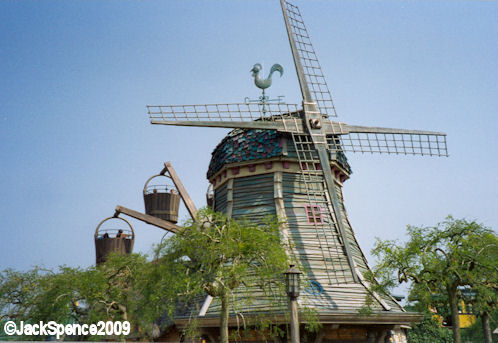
429,331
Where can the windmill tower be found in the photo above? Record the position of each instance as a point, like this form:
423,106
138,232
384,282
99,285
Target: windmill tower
289,160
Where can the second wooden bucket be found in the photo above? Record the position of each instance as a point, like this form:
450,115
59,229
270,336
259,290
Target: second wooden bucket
117,241
161,201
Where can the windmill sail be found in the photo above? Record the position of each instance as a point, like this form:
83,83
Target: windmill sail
240,112
366,139
313,84
270,116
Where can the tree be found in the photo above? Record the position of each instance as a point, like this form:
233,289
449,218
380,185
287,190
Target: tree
440,259
475,332
483,302
217,255
213,255
120,289
483,278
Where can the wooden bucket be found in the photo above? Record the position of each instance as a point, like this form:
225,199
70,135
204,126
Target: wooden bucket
106,241
161,201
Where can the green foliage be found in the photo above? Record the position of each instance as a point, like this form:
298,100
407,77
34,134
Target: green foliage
214,255
310,316
475,333
117,290
217,255
429,331
439,260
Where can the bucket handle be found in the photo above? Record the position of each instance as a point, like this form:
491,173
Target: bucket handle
150,178
106,219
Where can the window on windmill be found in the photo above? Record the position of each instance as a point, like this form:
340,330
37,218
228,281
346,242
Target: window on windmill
314,214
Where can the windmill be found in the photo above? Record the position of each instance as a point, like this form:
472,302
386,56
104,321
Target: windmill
289,160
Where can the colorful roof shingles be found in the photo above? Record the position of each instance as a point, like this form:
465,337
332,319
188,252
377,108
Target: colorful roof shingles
245,145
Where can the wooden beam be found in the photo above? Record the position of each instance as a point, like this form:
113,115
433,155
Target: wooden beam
382,319
160,223
229,209
264,125
373,129
181,189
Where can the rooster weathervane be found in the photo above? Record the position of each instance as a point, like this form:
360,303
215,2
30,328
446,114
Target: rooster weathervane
262,83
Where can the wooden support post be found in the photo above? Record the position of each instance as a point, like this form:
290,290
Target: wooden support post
278,195
294,321
181,189
160,223
229,198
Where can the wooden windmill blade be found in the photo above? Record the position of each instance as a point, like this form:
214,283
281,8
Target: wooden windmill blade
366,139
270,116
313,85
312,148
324,137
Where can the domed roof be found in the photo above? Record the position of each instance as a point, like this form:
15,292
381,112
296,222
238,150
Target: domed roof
242,145
245,145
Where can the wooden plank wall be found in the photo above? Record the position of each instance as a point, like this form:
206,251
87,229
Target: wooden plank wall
319,246
358,256
220,196
253,197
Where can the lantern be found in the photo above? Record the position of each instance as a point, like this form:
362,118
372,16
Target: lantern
292,281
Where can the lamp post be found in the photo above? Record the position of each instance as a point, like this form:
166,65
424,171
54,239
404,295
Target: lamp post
292,280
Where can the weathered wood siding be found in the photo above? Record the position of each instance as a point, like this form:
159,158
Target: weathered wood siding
358,256
253,197
318,245
220,198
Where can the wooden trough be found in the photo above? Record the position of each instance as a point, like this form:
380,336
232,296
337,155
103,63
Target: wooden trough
108,241
161,201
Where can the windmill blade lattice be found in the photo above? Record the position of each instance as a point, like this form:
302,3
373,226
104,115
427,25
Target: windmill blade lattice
270,116
398,143
221,112
313,84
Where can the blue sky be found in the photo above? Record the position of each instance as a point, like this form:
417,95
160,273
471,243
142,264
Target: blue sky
75,77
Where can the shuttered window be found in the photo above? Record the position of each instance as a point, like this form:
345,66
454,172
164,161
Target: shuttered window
314,214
